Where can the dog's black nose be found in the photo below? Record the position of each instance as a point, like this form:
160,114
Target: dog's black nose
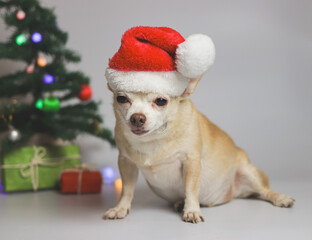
137,119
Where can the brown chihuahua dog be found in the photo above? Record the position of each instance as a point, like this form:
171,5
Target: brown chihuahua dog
185,158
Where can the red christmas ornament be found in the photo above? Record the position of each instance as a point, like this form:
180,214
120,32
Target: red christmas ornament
20,15
85,93
30,68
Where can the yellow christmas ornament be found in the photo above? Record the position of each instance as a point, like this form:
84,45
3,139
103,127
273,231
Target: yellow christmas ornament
41,61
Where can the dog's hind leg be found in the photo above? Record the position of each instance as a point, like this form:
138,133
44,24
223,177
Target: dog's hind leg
250,181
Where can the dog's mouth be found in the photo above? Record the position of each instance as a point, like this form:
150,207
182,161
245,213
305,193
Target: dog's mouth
138,131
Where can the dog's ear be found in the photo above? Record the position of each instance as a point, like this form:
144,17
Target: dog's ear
191,87
109,88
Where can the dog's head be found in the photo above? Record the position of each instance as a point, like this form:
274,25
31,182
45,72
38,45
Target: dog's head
154,60
147,113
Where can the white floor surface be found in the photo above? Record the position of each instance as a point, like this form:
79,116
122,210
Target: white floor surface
49,215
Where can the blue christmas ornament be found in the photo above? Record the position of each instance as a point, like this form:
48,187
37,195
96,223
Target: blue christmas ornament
48,79
36,37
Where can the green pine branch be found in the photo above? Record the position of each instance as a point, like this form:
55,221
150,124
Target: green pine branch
70,120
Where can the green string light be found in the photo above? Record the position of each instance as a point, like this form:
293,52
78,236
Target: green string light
20,39
39,103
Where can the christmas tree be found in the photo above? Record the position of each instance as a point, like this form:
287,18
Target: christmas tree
60,104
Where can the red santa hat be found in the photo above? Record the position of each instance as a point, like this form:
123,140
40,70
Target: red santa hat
159,59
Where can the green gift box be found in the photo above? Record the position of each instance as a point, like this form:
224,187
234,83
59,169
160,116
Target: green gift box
37,167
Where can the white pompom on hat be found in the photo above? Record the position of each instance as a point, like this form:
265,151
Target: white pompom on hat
159,59
195,55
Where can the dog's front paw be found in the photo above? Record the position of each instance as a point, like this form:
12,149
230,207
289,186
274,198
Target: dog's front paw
116,213
193,216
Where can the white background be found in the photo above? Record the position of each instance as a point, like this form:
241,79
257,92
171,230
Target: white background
259,90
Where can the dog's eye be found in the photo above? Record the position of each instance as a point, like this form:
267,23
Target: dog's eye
122,99
161,101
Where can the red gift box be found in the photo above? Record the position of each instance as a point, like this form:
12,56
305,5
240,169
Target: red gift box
81,180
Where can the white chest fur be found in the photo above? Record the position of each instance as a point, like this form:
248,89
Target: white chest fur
164,173
166,177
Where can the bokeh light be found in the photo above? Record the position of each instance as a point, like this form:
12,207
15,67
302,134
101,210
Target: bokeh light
20,39
41,61
39,103
108,174
48,79
20,15
30,68
36,37
118,185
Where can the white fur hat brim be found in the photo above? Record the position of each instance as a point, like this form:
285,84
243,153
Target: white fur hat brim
171,83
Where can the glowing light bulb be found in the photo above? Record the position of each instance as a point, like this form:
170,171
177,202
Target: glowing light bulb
39,103
36,37
118,185
20,15
108,175
20,39
14,135
41,61
48,79
30,68
1,187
